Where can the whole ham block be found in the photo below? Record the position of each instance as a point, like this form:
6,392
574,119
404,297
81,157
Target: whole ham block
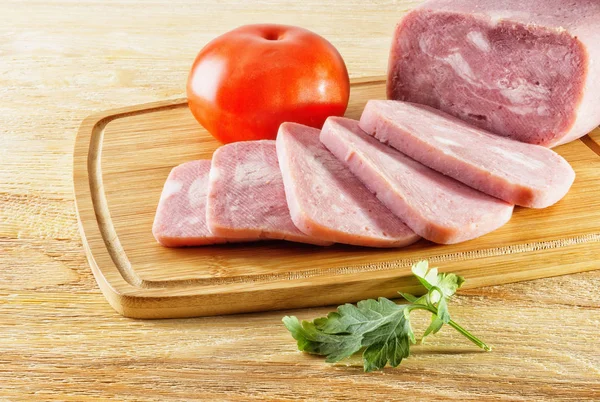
525,69
181,214
434,206
519,173
327,201
246,198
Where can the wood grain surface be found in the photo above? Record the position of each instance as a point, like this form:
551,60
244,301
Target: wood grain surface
119,175
60,340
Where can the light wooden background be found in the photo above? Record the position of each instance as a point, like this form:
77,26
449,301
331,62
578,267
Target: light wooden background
59,339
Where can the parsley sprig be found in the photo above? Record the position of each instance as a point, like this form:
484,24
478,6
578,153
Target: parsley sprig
381,328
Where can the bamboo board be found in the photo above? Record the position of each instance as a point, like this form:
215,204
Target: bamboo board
122,158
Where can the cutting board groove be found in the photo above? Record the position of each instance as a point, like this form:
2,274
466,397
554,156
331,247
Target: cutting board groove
123,156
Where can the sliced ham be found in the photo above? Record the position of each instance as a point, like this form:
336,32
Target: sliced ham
246,198
327,201
528,70
434,206
519,173
181,214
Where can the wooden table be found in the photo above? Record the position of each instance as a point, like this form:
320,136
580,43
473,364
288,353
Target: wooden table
59,339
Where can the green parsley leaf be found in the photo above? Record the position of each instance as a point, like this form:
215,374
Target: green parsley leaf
429,278
443,313
311,340
365,316
434,327
381,328
390,342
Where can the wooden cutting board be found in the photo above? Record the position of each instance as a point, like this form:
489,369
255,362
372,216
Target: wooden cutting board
122,158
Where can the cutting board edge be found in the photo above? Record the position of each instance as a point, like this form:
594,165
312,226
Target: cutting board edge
141,303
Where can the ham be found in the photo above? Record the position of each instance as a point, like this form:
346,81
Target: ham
246,197
327,201
519,173
527,70
181,214
434,206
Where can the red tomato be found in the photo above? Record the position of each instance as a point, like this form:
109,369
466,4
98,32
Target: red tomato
247,82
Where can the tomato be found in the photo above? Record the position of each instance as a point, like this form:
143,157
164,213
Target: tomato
245,83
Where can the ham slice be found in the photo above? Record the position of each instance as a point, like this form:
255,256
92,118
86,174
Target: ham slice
519,173
434,206
181,214
246,197
327,201
528,70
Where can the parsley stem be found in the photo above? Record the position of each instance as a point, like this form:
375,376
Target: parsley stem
470,336
453,324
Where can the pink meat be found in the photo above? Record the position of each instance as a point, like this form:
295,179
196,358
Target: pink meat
327,201
181,215
434,206
519,173
246,197
525,69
